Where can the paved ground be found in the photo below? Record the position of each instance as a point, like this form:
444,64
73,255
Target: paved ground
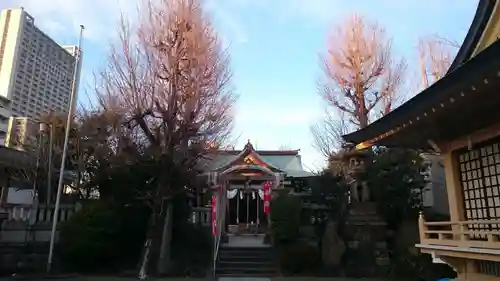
99,278
295,279
249,240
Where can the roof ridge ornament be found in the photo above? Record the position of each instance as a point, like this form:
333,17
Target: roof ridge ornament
249,145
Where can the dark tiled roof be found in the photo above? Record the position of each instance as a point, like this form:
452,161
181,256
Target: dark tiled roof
479,23
462,69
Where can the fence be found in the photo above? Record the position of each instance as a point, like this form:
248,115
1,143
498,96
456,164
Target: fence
31,223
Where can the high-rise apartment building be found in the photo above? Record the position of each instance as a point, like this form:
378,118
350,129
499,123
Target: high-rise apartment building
36,73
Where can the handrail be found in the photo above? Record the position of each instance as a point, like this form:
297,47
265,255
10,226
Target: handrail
219,222
458,233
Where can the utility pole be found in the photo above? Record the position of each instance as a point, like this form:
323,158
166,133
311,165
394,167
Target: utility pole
72,102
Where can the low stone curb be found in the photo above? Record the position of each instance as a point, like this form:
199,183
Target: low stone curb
41,277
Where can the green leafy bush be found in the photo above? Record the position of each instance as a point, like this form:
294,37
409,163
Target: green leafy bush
102,236
394,175
191,250
419,267
285,218
299,258
191,244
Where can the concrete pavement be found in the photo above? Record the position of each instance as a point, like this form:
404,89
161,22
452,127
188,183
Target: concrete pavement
109,278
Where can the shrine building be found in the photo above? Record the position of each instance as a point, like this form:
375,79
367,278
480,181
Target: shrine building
239,178
458,117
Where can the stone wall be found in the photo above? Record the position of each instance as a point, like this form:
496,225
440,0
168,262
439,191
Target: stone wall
22,257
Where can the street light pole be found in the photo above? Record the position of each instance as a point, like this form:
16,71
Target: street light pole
72,102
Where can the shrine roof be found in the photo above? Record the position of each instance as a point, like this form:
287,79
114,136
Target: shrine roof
442,111
287,161
483,13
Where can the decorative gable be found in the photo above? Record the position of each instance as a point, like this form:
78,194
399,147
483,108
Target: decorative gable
250,157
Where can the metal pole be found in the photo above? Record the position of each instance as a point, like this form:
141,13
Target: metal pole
49,166
258,207
38,156
238,207
34,202
248,207
72,102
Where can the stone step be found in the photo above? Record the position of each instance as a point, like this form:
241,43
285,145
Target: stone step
245,262
223,253
254,278
240,263
245,259
246,271
251,277
258,250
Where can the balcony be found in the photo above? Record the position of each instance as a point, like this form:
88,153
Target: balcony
473,239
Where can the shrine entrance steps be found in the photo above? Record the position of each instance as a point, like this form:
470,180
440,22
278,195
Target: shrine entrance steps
245,256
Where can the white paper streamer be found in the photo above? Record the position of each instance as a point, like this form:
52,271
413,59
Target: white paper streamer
231,193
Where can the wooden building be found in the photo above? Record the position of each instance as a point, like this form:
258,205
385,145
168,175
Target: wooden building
240,176
459,117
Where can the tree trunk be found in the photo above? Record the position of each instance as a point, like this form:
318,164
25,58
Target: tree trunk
143,274
145,255
166,240
149,251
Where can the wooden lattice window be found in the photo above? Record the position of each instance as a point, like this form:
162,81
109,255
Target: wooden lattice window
480,179
491,268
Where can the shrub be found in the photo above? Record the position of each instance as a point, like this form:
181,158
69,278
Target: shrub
191,244
191,250
299,258
419,267
285,218
102,236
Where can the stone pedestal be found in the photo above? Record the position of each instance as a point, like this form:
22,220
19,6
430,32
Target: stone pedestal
366,232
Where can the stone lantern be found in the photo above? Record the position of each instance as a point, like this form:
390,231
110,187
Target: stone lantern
351,163
365,230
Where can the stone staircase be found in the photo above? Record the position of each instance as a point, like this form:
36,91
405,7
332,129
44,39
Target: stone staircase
245,262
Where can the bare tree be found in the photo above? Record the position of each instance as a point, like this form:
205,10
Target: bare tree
361,80
170,81
436,55
285,147
360,70
327,134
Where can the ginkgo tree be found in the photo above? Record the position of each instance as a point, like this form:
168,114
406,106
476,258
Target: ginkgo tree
169,79
361,79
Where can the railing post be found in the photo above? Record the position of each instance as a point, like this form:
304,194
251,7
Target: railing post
33,215
421,226
463,229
